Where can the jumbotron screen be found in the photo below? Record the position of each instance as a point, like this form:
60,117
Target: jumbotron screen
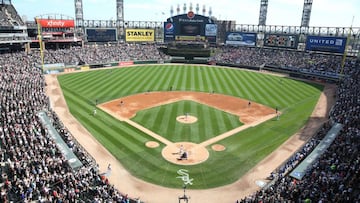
190,29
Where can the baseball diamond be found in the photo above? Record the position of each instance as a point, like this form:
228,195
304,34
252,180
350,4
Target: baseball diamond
251,116
139,85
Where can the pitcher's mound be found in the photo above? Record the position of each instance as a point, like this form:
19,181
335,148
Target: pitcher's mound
187,119
195,153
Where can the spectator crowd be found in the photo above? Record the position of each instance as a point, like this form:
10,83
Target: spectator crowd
33,168
335,176
290,59
8,16
106,53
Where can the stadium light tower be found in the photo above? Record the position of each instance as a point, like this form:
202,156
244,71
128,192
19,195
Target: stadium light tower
305,19
120,10
263,12
79,14
120,17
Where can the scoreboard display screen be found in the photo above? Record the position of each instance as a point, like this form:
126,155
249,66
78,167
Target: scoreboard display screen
281,40
190,29
101,35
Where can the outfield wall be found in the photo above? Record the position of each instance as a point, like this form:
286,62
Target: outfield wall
292,72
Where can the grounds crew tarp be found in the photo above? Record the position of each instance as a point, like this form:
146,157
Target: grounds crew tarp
301,169
73,161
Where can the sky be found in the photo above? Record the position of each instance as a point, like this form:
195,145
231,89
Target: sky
325,13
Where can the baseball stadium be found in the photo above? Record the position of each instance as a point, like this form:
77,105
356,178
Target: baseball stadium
191,109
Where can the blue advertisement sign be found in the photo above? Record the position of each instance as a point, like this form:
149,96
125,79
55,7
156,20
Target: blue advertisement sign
169,31
326,44
240,38
210,30
169,28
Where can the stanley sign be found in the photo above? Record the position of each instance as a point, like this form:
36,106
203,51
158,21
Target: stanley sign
140,35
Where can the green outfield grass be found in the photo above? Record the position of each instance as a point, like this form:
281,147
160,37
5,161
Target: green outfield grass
205,128
296,99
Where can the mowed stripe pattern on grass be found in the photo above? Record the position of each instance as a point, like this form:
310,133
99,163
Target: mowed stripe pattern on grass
210,122
295,98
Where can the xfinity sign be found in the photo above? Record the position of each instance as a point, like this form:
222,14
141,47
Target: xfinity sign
54,23
326,44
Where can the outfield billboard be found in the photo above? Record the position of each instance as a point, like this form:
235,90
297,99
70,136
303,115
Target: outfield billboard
240,38
326,44
140,35
210,29
281,40
101,34
169,31
54,23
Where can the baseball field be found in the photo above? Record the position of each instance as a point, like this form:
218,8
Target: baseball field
142,110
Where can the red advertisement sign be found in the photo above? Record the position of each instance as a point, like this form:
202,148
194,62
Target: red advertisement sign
68,70
54,23
126,63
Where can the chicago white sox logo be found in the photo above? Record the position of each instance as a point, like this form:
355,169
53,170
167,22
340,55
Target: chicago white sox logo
185,176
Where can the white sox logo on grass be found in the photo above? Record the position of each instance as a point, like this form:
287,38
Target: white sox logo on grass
185,176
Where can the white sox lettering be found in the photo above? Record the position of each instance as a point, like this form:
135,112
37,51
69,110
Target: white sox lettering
185,176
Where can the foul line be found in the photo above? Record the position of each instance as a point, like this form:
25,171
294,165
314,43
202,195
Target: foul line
147,131
236,130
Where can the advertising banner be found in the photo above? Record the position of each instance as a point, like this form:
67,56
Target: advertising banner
281,40
169,31
54,23
85,68
140,35
210,29
68,70
326,44
126,63
240,38
189,38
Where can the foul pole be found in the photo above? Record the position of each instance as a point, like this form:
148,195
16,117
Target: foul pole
39,36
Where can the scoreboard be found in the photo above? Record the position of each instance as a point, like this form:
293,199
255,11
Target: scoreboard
281,40
190,27
101,34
